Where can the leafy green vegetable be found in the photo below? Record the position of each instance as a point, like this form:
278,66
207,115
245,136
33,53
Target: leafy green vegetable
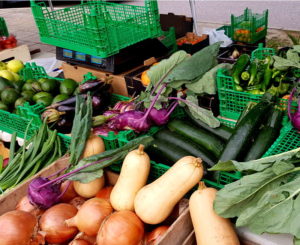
207,83
201,113
267,200
283,64
96,171
292,55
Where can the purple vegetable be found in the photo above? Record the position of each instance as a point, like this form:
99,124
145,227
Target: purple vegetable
44,197
96,102
162,116
111,113
103,130
123,106
134,120
295,118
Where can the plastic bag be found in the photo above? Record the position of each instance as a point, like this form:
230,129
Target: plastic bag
217,36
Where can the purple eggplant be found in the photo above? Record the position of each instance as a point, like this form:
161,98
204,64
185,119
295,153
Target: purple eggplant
66,108
93,85
67,102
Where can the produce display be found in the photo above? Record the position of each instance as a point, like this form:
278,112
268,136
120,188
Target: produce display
135,168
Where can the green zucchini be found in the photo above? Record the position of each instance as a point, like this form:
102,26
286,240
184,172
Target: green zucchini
247,108
203,138
237,145
181,142
266,136
223,132
164,152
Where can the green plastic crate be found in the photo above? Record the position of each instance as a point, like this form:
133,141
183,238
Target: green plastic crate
233,102
169,40
261,52
3,27
289,139
97,28
249,27
227,30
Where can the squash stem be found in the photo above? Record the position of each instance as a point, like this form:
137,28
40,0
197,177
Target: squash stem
141,149
201,186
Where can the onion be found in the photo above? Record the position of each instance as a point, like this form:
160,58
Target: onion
121,228
79,242
154,236
90,189
77,202
53,224
25,205
90,216
105,193
70,193
94,145
16,228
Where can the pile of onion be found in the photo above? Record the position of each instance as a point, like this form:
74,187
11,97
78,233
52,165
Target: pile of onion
94,145
104,193
17,228
155,236
69,193
90,216
90,189
121,228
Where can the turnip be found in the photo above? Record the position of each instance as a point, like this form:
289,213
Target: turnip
295,117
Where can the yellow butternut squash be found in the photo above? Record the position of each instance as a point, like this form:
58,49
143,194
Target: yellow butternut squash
133,176
209,227
154,202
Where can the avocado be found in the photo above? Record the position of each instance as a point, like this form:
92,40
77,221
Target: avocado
20,102
41,95
9,96
60,97
27,95
4,83
3,106
18,85
27,87
68,86
36,86
45,100
49,85
31,81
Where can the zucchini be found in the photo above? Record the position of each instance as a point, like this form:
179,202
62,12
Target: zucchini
240,65
203,138
172,138
164,152
247,108
223,132
266,136
237,145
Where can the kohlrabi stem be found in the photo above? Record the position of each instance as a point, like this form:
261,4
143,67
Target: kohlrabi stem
161,80
171,108
56,173
153,101
72,172
183,100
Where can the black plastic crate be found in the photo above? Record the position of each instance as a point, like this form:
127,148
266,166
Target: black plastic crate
193,48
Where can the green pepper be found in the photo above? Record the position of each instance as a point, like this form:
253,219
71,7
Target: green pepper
267,74
275,74
239,67
283,88
238,88
245,76
253,71
274,90
255,91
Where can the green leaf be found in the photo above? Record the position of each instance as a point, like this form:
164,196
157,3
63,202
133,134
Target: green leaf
200,113
292,55
283,64
256,165
280,167
156,72
86,177
296,241
195,66
207,83
296,48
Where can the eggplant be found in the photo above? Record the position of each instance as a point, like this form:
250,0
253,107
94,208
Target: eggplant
67,102
66,108
91,85
64,125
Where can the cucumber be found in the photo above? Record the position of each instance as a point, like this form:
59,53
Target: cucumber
203,138
172,138
266,136
237,145
164,152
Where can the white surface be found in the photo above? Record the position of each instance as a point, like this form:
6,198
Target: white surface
266,239
48,61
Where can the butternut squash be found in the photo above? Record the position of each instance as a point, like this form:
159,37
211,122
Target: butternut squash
154,202
209,227
90,189
133,176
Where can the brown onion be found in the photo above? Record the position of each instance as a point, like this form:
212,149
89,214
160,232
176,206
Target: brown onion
77,202
25,205
121,228
91,215
53,224
154,236
17,227
79,242
70,193
105,193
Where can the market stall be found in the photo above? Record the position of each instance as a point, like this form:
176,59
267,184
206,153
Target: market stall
195,143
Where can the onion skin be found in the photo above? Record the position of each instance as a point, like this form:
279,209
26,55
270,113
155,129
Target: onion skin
104,193
53,224
154,236
25,205
90,216
70,193
121,228
79,242
17,228
77,202
89,190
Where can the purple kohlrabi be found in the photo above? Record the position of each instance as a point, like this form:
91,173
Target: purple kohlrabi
44,197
